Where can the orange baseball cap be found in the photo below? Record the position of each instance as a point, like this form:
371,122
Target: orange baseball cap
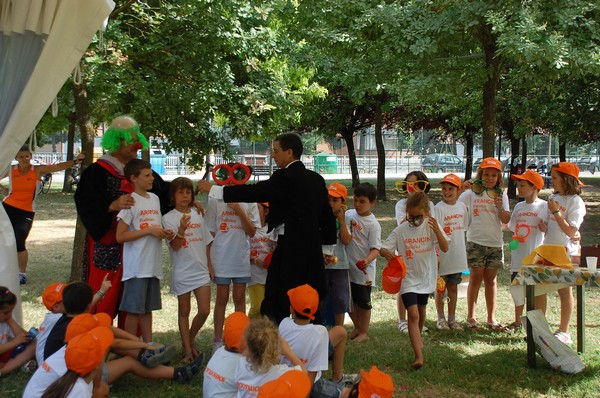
291,384
452,179
86,351
305,300
53,294
337,190
83,323
375,383
393,274
235,325
568,168
490,163
533,177
265,204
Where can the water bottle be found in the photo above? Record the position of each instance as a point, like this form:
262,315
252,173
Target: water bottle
33,332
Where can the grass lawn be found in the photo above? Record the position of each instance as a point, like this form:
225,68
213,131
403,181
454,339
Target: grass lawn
459,364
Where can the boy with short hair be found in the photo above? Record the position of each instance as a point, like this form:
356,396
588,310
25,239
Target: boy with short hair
453,217
311,343
219,374
362,251
140,231
337,274
524,222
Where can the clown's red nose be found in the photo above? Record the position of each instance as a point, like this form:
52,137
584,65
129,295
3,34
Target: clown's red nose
137,146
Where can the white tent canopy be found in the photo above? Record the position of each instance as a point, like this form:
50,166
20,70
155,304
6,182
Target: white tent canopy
41,42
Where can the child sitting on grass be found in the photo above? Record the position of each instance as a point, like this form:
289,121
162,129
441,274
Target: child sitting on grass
12,335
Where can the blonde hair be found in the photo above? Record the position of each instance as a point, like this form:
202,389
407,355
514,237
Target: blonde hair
262,342
418,200
499,183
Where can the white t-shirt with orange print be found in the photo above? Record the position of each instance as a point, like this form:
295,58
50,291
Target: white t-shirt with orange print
529,214
454,220
366,235
572,208
142,258
417,247
485,228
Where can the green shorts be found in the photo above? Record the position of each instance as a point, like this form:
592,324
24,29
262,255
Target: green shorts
479,256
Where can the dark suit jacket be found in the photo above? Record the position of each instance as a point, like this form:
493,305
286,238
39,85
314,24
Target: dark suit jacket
297,198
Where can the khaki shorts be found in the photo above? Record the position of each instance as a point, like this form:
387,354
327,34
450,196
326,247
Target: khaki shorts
479,256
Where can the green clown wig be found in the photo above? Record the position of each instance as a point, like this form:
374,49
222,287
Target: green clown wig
111,141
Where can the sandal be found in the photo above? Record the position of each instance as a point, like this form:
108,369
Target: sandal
514,327
497,326
187,359
472,324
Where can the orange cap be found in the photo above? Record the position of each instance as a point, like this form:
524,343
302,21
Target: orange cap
86,351
452,179
305,300
235,325
83,323
490,163
337,190
393,273
568,168
375,383
53,294
533,177
265,204
291,384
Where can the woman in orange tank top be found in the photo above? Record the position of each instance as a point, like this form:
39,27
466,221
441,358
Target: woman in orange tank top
20,200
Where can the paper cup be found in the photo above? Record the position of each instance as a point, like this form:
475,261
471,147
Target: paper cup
591,262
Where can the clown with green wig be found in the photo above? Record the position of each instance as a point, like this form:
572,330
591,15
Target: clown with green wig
101,193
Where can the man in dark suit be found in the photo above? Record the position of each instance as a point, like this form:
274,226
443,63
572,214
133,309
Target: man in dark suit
301,216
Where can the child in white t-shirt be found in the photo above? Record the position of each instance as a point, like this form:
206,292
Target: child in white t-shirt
190,269
261,245
524,223
415,181
232,225
11,335
311,342
362,252
140,230
488,208
219,374
261,360
416,241
566,211
453,216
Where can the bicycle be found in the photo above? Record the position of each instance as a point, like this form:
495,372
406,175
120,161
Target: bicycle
46,183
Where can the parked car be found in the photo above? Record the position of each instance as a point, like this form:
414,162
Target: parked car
532,163
587,164
442,163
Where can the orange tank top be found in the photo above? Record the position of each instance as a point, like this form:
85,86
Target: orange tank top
23,189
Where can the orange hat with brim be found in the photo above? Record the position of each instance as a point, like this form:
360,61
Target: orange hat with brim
570,169
291,384
337,190
375,383
85,352
305,300
53,294
393,274
533,177
490,163
452,179
549,255
234,327
83,323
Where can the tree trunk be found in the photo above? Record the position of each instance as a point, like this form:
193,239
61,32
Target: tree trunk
67,185
348,134
492,68
381,195
469,148
562,152
82,111
514,149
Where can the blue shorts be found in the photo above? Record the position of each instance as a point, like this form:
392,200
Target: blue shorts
324,388
141,296
410,299
219,280
453,279
338,285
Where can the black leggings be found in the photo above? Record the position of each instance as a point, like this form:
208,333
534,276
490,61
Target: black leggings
21,221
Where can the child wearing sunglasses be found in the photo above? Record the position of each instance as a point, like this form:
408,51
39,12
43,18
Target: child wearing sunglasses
488,207
415,181
416,241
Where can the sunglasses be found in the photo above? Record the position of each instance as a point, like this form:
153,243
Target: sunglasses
403,186
479,189
415,220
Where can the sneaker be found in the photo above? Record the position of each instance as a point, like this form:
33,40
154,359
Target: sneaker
29,367
563,337
514,327
153,358
425,329
22,279
442,324
185,374
454,325
403,326
349,379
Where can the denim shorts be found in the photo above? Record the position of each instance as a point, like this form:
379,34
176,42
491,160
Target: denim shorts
219,280
324,388
454,279
141,295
